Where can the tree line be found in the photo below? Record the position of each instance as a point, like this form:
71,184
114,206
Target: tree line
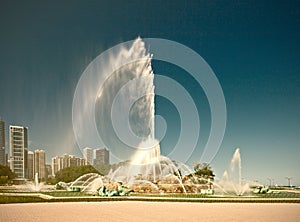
201,170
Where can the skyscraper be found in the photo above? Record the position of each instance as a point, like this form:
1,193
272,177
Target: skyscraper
40,163
30,165
48,170
101,156
67,160
18,140
2,156
57,163
88,155
3,160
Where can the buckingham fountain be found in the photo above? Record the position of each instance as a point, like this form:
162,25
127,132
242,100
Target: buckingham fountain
130,89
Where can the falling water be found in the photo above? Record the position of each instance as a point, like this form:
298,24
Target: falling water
125,103
232,179
125,118
35,185
236,161
89,182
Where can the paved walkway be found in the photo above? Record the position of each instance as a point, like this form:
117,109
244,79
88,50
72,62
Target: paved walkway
149,211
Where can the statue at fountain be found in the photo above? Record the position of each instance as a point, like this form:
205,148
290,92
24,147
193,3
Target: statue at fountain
119,191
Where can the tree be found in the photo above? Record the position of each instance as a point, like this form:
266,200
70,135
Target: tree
204,170
72,173
6,174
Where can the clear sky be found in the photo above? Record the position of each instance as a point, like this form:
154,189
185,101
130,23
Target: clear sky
252,46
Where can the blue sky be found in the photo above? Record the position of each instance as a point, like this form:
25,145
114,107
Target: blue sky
252,46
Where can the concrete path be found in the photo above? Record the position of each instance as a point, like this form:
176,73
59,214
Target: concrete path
149,211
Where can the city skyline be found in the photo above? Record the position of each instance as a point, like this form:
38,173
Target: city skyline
99,156
26,163
253,48
5,137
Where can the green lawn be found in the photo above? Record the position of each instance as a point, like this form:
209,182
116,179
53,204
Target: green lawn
66,194
20,199
144,197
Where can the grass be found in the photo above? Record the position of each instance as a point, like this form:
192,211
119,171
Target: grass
192,195
175,195
29,199
279,195
66,196
20,199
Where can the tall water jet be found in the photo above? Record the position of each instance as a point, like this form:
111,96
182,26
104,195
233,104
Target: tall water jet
125,119
125,103
236,161
232,179
35,185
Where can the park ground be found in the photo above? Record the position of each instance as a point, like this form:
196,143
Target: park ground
149,211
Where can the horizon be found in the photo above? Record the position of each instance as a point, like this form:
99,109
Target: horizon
269,181
253,49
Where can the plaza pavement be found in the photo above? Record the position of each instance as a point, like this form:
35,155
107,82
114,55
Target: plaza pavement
134,211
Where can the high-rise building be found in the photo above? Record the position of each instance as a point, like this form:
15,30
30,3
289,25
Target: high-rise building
18,140
2,156
67,160
72,161
57,164
101,156
48,170
40,163
3,160
30,165
81,162
88,155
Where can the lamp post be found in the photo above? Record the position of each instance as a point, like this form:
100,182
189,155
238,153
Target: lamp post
289,180
270,181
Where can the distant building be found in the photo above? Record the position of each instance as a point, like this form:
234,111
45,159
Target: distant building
101,156
70,161
57,164
40,163
6,159
81,161
65,161
18,140
88,155
30,165
48,170
3,159
73,161
2,156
